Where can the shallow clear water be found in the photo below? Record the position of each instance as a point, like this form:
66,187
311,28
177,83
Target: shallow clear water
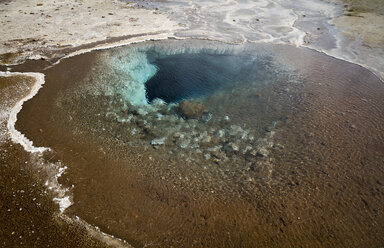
263,153
230,84
122,103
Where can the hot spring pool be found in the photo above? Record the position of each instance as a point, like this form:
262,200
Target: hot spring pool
144,170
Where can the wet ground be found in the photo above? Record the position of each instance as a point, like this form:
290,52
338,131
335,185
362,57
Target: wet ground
312,177
29,218
28,214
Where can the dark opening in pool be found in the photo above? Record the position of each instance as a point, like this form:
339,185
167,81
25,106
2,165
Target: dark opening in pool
185,75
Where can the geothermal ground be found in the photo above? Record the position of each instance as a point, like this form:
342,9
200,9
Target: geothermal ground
278,142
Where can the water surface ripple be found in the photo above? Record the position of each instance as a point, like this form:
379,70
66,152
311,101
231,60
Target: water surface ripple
288,150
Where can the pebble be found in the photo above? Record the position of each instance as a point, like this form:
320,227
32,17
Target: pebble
220,134
157,142
262,152
191,109
231,147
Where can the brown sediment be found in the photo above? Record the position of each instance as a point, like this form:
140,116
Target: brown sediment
28,214
332,161
8,58
322,184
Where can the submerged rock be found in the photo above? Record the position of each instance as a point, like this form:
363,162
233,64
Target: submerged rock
262,152
235,130
231,148
206,117
158,142
183,143
191,109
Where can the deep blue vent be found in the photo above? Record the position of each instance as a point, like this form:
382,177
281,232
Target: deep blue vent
183,76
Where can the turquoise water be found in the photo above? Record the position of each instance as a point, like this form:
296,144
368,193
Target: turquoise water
139,75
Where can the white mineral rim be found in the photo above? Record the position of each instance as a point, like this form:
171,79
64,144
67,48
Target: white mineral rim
14,134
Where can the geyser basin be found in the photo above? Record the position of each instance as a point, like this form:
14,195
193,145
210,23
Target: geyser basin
140,168
114,116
